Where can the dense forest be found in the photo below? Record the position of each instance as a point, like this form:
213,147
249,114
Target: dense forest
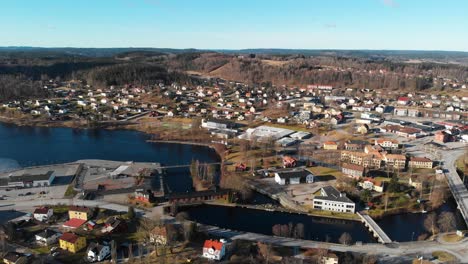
23,71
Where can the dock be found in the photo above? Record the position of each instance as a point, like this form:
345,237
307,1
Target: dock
374,228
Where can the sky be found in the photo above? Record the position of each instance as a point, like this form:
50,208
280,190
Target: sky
237,24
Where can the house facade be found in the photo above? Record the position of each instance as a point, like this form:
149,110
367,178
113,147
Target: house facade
294,177
352,170
97,252
71,242
47,237
420,163
43,214
331,199
79,212
214,249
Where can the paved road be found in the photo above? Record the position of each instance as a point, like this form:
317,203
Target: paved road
459,190
460,249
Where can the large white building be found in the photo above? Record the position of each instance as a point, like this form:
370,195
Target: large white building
331,199
28,180
265,133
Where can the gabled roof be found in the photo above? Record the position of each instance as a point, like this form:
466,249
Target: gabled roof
353,167
82,209
42,210
215,244
69,237
74,223
294,174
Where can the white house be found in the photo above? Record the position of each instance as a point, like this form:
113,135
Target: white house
48,237
331,199
213,249
43,214
97,252
294,177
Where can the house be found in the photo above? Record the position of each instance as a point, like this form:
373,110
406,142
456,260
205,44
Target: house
159,235
330,145
420,162
352,170
400,112
355,144
372,185
47,237
97,252
114,224
330,199
143,195
395,161
289,162
71,242
414,182
403,100
43,214
330,258
214,249
79,212
15,258
387,143
442,137
74,223
219,124
294,177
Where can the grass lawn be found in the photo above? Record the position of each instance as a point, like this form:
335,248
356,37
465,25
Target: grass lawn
42,250
451,238
443,256
320,171
60,209
459,163
340,215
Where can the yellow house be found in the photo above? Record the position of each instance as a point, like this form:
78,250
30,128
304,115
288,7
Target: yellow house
72,242
330,145
79,212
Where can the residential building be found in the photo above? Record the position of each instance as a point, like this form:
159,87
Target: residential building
420,162
113,225
330,145
97,252
15,258
71,242
442,137
366,160
395,161
372,185
159,235
330,199
294,177
289,162
214,249
79,212
74,223
330,258
47,237
43,214
387,143
352,170
143,195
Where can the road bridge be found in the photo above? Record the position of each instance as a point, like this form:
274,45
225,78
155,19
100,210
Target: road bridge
374,228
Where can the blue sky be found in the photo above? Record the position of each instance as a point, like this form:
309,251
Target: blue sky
237,24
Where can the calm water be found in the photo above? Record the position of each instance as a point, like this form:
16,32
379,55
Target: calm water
407,227
30,146
258,221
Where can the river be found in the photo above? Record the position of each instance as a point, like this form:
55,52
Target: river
30,146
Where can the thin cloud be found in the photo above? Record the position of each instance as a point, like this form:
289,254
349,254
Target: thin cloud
331,25
390,3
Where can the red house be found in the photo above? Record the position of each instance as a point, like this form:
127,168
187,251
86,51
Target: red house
289,162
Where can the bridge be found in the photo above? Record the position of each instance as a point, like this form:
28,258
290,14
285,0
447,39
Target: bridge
374,228
458,188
